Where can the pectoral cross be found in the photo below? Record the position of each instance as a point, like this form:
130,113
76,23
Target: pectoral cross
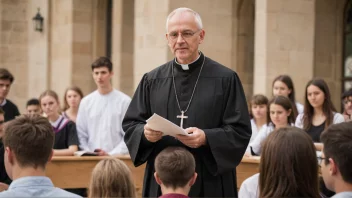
182,116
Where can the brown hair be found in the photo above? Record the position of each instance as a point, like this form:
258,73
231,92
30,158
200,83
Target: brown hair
287,80
328,106
6,75
337,140
31,138
293,173
102,62
257,99
2,112
286,104
75,89
175,167
111,178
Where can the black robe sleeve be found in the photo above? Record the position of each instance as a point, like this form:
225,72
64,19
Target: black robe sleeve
72,138
133,124
229,142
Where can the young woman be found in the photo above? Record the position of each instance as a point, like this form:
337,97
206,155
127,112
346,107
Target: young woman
66,140
319,112
283,86
111,178
280,115
72,99
288,167
258,112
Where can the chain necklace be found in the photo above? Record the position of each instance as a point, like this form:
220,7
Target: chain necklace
182,116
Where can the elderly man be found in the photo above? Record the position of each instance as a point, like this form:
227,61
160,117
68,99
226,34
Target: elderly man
200,95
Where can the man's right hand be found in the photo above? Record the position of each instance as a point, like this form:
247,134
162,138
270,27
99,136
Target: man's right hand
3,186
151,135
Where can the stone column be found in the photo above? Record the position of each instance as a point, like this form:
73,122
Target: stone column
284,43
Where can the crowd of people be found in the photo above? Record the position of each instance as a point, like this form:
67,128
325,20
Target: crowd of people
207,98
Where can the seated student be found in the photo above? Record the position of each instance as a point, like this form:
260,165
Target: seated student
111,178
33,107
66,139
175,172
347,105
280,115
319,111
288,167
4,178
28,142
336,159
72,99
259,113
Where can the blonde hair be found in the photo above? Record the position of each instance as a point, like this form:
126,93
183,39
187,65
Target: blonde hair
111,178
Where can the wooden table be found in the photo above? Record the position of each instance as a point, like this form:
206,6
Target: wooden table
75,172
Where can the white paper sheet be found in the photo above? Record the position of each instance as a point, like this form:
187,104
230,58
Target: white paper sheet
158,123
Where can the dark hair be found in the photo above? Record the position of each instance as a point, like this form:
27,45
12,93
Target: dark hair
2,112
102,62
33,101
293,173
257,99
328,106
175,166
75,89
346,94
31,138
6,75
285,103
286,79
337,140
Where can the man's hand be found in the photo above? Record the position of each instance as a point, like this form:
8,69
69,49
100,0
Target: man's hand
3,186
151,135
195,140
101,152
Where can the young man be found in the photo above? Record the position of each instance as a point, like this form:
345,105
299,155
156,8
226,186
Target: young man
33,107
175,172
336,159
4,178
28,142
6,80
100,114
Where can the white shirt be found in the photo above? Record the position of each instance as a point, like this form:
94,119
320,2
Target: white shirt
338,118
250,187
99,122
262,134
300,108
254,134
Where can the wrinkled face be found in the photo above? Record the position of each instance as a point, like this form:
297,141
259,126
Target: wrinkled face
280,89
184,37
33,110
50,105
102,76
315,96
279,115
259,111
73,98
2,121
5,86
348,105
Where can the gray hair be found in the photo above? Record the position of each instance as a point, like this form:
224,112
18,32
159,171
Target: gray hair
181,10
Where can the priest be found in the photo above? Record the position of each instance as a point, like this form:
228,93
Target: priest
202,96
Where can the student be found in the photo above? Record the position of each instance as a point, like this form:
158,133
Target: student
66,140
4,178
100,114
28,142
175,172
33,107
319,111
283,86
336,159
280,115
111,178
347,105
10,109
72,99
259,113
288,167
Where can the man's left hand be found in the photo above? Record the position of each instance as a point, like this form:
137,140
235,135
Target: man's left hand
195,140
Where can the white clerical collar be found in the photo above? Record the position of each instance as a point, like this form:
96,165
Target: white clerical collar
185,66
3,103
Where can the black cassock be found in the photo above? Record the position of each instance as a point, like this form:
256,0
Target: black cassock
218,107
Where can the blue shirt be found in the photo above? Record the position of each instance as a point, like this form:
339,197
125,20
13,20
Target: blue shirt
343,195
35,186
